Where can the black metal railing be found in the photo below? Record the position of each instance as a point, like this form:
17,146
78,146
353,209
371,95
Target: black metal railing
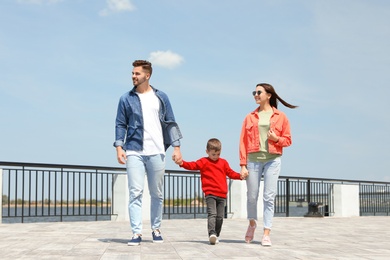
374,199
295,194
183,195
53,192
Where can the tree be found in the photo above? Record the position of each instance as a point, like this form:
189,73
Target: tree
4,199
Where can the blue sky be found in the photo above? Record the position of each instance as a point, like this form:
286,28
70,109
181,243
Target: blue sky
65,63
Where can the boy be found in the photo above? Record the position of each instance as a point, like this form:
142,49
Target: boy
213,172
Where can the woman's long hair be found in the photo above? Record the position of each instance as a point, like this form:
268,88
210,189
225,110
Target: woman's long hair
273,101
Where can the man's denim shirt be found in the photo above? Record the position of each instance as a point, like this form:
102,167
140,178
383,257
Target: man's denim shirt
129,122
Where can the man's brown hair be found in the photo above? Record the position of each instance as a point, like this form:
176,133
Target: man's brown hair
146,65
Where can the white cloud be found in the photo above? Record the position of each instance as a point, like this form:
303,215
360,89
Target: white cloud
38,2
166,59
116,6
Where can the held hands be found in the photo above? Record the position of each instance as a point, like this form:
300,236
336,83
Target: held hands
179,162
176,156
244,172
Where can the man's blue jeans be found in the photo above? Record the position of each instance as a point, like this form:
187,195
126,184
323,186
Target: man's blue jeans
153,167
270,170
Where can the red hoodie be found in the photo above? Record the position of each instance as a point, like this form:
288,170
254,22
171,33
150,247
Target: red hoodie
213,175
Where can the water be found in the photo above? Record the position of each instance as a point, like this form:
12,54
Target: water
41,214
44,214
69,214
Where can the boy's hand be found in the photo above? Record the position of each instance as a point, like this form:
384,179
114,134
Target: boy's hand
244,172
179,162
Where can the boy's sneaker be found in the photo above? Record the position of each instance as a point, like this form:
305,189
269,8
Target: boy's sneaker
266,241
157,238
135,240
213,239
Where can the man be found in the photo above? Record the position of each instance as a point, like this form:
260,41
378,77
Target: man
144,129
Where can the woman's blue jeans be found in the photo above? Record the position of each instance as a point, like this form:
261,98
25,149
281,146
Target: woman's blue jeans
153,167
270,170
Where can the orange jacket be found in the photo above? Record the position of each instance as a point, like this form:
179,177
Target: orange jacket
250,139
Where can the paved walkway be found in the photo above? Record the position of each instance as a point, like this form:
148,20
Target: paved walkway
293,238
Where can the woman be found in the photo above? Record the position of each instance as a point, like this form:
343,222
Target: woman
265,132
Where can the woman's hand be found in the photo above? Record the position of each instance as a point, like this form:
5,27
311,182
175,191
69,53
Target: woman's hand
244,172
272,136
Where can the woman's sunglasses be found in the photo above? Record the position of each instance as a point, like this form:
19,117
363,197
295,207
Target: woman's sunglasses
256,92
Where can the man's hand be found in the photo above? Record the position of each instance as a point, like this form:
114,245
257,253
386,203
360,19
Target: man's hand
176,156
121,155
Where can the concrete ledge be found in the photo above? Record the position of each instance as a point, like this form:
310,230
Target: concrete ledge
346,200
121,199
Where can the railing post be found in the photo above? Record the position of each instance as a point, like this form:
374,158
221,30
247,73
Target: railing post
239,202
22,196
346,200
167,181
308,194
96,195
308,191
61,192
238,205
121,199
287,197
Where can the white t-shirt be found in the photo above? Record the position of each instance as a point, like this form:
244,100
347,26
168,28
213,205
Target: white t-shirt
153,136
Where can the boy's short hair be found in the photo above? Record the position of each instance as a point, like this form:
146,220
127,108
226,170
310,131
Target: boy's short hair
146,65
214,144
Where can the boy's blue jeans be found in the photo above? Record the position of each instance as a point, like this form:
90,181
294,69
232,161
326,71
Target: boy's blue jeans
215,214
270,170
153,167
